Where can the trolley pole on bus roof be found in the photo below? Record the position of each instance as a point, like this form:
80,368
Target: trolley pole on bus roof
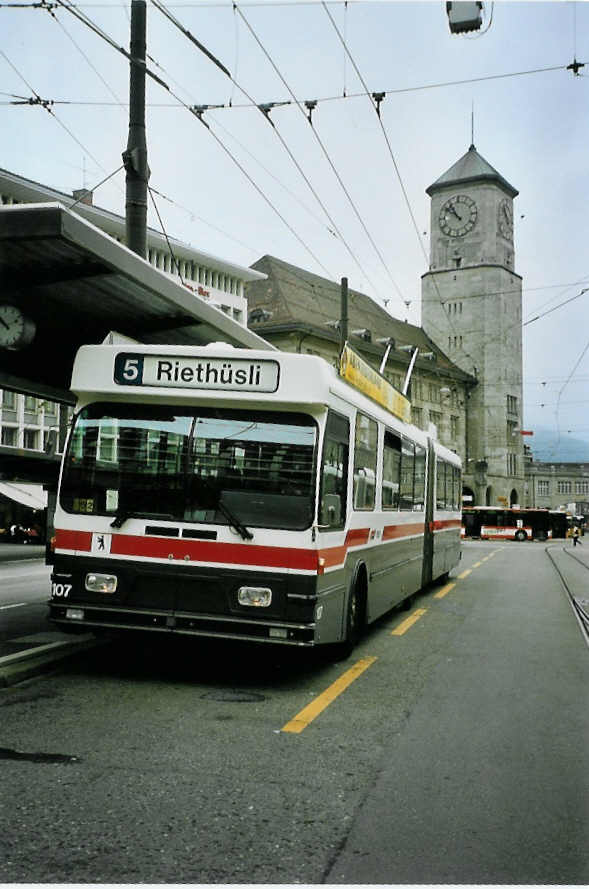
343,321
135,157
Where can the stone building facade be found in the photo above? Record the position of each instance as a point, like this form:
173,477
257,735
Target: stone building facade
298,311
471,307
562,486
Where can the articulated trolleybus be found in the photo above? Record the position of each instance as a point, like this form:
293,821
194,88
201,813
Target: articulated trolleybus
243,494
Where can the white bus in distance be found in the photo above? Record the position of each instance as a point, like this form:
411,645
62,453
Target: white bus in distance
242,494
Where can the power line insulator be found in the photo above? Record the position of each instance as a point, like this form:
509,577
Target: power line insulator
310,105
378,97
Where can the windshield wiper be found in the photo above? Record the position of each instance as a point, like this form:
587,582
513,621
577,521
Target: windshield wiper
232,518
123,514
234,521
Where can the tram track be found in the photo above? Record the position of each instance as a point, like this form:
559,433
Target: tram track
579,605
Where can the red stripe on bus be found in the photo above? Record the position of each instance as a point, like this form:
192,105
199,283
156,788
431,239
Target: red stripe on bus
336,555
443,524
78,540
209,551
196,550
393,532
235,553
357,537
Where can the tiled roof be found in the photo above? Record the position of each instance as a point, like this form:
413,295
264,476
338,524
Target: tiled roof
471,167
299,299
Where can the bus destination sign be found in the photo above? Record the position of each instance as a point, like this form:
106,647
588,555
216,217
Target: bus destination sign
363,377
189,372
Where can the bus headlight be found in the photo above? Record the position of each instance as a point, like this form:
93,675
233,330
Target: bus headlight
101,583
258,596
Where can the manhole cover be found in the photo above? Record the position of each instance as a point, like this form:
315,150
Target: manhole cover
234,696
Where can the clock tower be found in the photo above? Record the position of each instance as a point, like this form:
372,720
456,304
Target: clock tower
471,308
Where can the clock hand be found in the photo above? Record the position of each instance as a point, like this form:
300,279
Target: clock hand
2,321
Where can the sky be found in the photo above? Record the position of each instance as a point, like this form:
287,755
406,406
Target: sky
345,196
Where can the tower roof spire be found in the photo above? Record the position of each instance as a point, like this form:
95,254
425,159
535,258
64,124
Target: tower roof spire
471,167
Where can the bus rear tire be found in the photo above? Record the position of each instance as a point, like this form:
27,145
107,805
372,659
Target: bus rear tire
521,535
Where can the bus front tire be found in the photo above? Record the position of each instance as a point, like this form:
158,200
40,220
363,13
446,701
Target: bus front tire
354,623
521,535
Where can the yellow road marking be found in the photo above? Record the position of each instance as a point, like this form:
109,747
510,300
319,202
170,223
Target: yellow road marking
408,622
312,710
465,574
445,589
477,565
485,559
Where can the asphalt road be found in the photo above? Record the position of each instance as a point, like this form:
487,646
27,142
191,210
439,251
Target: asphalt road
24,591
455,754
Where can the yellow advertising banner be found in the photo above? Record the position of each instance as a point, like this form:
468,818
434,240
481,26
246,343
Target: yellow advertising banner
362,376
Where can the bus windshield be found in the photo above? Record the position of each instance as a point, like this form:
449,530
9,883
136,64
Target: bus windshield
192,464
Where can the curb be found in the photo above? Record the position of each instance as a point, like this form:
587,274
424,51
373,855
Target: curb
21,665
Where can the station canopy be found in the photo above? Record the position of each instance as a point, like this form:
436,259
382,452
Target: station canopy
77,284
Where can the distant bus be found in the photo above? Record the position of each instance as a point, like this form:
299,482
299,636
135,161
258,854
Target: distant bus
490,523
243,494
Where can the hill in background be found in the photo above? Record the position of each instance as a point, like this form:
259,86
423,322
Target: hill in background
547,448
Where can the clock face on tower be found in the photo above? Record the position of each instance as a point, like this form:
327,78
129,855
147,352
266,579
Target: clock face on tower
505,218
458,216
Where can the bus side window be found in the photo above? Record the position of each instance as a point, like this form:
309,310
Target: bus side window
457,489
391,471
419,493
440,484
407,474
365,453
334,472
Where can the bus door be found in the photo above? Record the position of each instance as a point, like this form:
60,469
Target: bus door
428,536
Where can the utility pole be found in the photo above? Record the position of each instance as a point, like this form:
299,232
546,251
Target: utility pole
135,157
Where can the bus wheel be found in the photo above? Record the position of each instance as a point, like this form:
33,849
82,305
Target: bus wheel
542,535
354,622
521,535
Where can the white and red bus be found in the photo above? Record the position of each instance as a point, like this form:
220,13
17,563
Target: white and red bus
491,523
244,494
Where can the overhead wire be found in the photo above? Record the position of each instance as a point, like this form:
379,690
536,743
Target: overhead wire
375,102
325,153
42,103
103,35
266,113
558,400
118,101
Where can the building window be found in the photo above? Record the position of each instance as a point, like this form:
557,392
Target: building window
543,488
31,439
9,436
564,487
417,416
582,487
436,418
9,400
512,464
30,403
453,428
511,404
434,393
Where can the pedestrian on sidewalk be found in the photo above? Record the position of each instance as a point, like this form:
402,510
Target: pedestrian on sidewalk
576,535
